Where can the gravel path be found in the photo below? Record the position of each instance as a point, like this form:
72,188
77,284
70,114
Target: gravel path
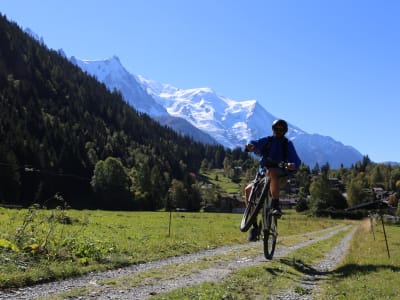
216,273
309,284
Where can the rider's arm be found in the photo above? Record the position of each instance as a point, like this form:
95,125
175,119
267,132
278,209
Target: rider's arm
256,145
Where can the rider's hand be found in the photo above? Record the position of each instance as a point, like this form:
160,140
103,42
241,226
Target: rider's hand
291,166
250,147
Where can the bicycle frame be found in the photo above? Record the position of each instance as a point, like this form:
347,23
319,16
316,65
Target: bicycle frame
260,198
255,199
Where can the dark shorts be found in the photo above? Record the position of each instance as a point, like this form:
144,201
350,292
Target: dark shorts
282,174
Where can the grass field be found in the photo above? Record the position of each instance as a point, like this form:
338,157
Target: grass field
41,245
366,273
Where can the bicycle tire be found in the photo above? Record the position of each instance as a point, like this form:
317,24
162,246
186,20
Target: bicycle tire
270,230
255,204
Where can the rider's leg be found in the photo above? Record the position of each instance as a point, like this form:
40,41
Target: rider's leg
253,234
274,184
247,191
274,175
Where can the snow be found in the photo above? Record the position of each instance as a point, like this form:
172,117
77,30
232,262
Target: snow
231,123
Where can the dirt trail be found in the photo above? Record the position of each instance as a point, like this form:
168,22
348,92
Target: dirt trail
217,272
309,283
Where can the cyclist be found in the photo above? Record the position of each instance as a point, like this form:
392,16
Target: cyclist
274,150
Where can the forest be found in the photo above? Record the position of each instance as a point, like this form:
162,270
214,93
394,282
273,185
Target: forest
67,140
57,123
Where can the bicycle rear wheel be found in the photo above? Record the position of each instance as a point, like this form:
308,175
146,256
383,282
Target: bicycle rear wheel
256,197
270,230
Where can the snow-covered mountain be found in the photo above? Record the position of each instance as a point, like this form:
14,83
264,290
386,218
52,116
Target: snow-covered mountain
115,77
229,122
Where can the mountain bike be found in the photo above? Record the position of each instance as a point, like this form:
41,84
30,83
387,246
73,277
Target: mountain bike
260,198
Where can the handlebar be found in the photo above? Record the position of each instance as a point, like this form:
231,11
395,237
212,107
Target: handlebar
280,164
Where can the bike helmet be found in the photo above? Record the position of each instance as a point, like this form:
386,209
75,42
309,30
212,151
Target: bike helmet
280,123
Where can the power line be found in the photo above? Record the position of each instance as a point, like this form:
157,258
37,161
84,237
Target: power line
31,169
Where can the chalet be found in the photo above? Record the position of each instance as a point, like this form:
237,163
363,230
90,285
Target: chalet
380,193
336,183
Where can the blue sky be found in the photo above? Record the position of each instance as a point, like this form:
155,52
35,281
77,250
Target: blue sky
328,67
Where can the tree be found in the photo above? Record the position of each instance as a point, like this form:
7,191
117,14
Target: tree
209,195
323,196
394,177
219,157
319,193
10,179
91,152
301,204
315,170
111,184
178,194
357,193
194,198
227,165
204,165
158,188
325,168
303,177
377,178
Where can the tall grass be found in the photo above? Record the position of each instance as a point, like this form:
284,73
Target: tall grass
39,245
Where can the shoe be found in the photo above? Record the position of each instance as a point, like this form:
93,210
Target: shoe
277,212
253,235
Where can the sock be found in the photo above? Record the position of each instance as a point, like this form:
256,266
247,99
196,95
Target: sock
275,203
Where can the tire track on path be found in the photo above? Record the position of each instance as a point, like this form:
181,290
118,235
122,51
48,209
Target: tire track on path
310,283
216,273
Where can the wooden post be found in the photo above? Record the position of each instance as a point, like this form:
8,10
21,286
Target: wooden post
170,220
384,232
371,220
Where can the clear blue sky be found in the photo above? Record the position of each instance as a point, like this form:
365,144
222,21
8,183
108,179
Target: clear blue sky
328,67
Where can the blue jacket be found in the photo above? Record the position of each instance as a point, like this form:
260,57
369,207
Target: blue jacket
275,151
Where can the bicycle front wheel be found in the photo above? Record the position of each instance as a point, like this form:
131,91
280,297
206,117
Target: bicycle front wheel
255,203
270,230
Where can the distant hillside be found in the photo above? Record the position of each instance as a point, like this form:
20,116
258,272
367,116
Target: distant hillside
57,123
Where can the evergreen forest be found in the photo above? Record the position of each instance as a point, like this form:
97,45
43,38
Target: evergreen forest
65,136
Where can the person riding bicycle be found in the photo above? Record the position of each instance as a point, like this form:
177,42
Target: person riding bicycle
274,150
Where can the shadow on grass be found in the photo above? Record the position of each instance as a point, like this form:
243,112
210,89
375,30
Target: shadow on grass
278,271
351,269
341,272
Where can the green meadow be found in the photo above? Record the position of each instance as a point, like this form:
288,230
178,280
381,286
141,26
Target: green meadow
42,245
367,272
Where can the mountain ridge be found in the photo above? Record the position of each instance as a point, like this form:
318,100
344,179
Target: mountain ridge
229,122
